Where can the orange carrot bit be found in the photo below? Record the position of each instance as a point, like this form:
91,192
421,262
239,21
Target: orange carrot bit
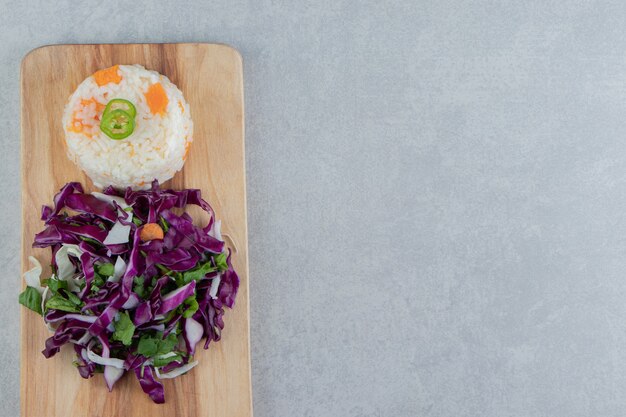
108,75
150,231
156,98
75,126
99,106
78,126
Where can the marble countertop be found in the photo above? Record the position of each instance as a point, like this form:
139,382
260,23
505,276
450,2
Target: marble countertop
436,198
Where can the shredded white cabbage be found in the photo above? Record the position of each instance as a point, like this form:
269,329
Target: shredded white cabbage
33,275
158,327
131,303
112,375
166,355
116,363
83,340
193,332
119,233
216,230
214,286
44,298
119,269
175,372
65,267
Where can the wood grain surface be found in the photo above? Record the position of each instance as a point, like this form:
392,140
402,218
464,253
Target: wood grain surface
210,77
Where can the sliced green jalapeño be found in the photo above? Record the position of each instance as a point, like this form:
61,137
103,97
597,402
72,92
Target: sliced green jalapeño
117,124
120,104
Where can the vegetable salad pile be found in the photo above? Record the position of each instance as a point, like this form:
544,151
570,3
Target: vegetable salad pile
134,286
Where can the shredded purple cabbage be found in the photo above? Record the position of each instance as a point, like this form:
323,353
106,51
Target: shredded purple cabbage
135,306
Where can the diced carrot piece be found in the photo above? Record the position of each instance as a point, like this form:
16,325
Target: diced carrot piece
150,231
108,75
156,98
77,126
99,106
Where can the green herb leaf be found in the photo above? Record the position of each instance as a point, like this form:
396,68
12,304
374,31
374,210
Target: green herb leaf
139,288
137,221
98,281
124,329
164,361
150,346
163,269
58,302
178,276
90,240
167,344
198,272
98,278
104,270
128,209
164,224
55,285
220,261
193,306
30,298
74,298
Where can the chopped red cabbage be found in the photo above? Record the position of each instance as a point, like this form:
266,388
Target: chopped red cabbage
163,286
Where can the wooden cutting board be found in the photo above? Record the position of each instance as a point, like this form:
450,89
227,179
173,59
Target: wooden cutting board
210,77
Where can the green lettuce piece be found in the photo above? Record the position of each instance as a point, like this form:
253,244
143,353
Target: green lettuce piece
220,261
193,306
138,287
124,329
30,298
58,302
55,285
150,346
104,270
198,272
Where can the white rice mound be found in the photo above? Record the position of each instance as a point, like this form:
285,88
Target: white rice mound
156,149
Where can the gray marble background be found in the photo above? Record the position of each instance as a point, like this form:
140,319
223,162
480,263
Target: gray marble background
436,197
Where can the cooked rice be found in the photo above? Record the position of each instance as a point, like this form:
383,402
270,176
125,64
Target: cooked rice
158,146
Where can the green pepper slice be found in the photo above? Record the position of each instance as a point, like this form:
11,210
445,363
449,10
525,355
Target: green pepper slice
117,124
121,104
